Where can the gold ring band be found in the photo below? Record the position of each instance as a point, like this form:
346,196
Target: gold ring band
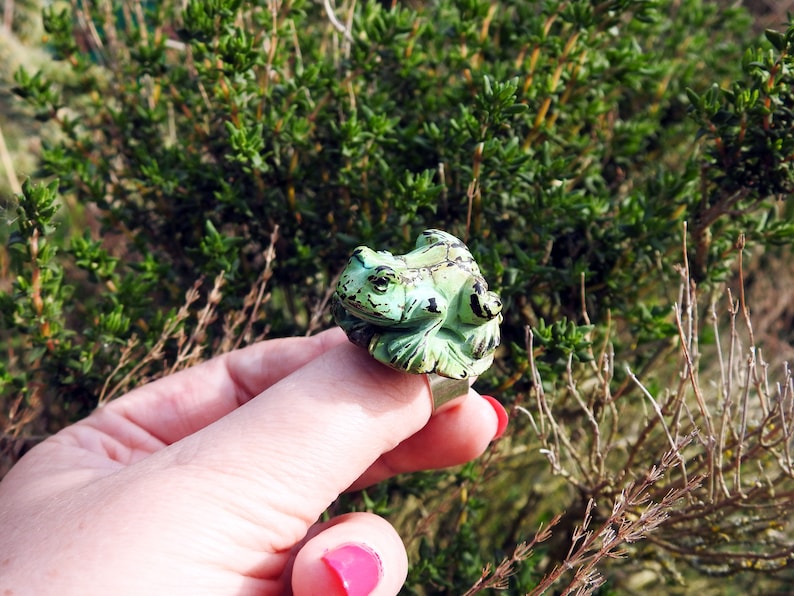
443,389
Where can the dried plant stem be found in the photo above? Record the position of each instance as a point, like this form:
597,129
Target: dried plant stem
154,354
597,455
338,25
261,287
318,312
560,438
7,161
662,422
191,348
497,580
730,441
690,371
623,526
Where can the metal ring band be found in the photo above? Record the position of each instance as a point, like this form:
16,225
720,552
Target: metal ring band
443,389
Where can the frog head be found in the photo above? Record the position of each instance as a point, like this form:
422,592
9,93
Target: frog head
373,286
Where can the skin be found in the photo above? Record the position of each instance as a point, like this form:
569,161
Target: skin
210,481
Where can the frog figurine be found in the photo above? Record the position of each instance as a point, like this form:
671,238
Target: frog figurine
428,311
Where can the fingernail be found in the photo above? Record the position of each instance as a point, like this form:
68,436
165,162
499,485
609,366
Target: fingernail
357,567
501,416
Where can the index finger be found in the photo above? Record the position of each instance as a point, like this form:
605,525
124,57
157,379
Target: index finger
181,404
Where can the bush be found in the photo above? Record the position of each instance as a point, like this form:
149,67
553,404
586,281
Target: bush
255,144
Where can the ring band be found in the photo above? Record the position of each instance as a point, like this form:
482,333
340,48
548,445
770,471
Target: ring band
443,389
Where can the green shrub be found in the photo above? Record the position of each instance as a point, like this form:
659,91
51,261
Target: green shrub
559,138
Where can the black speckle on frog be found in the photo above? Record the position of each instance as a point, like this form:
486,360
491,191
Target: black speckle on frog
426,311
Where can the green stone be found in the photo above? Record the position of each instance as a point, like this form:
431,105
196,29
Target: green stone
428,311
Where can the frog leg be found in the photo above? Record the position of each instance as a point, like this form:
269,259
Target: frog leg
432,236
452,352
481,305
405,346
452,363
406,349
484,338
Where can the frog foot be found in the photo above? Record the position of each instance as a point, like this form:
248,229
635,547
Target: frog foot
484,339
453,360
408,353
434,355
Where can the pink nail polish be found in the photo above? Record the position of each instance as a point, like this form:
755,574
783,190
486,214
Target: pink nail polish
357,567
501,415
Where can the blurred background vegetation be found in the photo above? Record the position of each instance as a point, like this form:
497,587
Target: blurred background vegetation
184,178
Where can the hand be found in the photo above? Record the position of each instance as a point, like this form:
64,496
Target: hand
210,481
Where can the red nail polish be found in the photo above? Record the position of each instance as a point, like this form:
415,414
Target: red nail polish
501,415
357,567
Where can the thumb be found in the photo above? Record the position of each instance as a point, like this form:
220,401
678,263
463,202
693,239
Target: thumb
357,554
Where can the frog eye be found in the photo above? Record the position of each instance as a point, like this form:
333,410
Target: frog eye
382,278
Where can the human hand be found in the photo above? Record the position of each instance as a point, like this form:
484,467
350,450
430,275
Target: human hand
211,480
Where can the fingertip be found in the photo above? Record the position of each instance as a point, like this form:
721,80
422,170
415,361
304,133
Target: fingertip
502,417
459,432
356,569
358,554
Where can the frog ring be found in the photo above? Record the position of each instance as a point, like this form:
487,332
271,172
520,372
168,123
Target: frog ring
426,312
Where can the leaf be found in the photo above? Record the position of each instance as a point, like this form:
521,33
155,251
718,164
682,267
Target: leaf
777,39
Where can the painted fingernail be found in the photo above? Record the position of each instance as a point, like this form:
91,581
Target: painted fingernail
357,567
501,415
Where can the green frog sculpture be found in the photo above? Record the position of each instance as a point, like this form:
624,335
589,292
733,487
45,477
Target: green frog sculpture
428,311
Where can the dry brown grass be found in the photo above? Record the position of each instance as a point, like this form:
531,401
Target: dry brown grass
682,472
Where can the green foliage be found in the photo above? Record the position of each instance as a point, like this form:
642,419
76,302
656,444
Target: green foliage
560,139
516,127
563,340
751,148
39,93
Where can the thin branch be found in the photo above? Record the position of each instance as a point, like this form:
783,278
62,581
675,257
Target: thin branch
338,25
8,163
